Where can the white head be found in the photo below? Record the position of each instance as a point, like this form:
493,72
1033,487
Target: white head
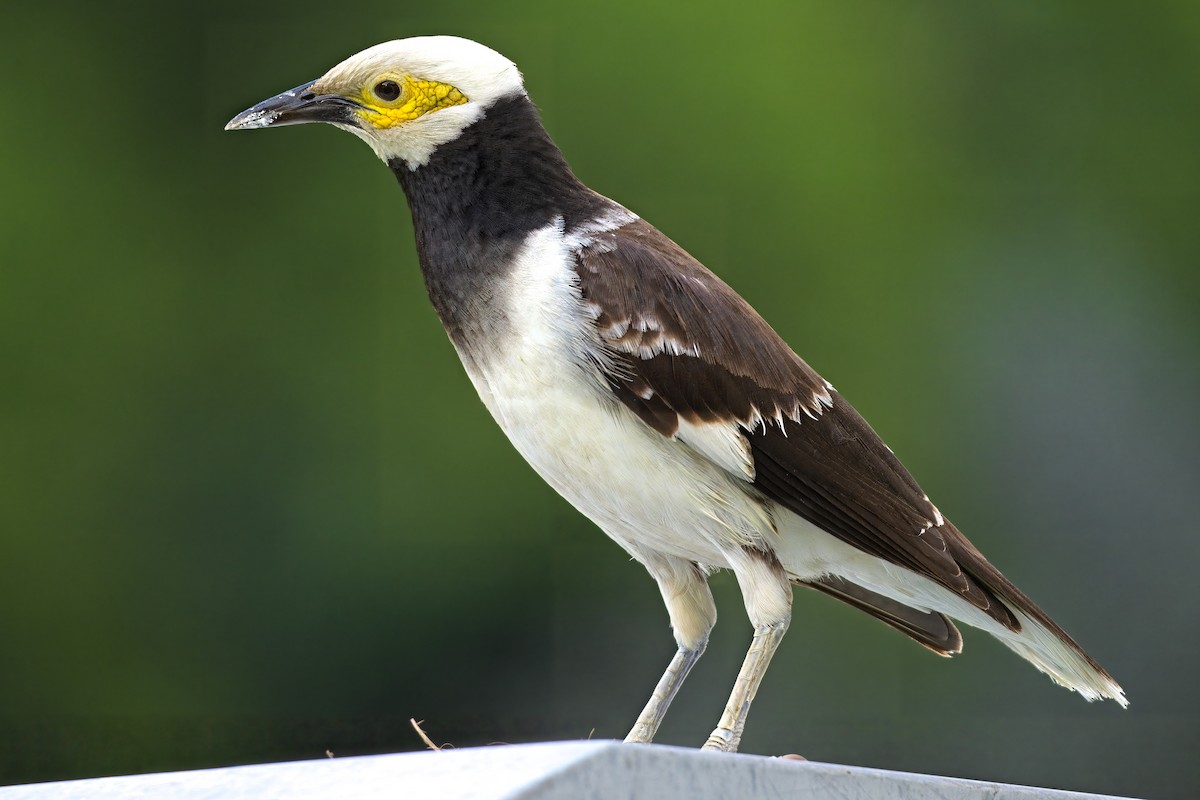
404,98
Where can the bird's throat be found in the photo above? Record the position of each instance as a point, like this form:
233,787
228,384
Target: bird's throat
501,178
477,200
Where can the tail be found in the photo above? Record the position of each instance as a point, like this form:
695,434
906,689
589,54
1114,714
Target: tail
1035,637
1055,653
918,605
928,628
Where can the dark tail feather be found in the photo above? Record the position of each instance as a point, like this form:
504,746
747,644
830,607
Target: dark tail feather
928,628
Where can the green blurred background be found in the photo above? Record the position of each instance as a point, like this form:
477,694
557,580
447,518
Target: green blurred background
251,509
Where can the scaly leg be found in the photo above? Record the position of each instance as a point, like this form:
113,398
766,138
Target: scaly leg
768,596
693,614
728,733
652,715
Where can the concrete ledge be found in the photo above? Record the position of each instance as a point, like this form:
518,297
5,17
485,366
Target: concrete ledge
558,770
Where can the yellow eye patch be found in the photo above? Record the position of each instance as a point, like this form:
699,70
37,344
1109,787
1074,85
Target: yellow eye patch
418,99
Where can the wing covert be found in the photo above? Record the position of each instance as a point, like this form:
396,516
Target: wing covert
684,350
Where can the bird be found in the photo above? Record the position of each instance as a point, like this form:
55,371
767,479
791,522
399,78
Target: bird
648,393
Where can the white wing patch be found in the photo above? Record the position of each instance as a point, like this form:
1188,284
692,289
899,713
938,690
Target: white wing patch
588,234
938,519
776,415
644,337
723,443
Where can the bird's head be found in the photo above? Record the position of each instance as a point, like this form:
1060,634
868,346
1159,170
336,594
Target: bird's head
404,98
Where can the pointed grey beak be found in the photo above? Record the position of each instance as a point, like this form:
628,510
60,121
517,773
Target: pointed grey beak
294,107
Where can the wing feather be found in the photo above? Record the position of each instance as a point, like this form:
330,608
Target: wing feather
685,350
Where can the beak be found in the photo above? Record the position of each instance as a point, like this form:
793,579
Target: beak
294,107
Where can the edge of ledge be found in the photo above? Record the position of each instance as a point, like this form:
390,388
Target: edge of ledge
538,771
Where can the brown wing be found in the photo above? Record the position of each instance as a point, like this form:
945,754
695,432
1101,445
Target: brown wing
685,345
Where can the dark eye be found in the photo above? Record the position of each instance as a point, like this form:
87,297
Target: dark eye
387,90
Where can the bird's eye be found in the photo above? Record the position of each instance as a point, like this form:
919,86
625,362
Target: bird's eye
387,90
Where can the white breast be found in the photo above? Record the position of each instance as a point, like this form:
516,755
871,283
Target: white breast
649,493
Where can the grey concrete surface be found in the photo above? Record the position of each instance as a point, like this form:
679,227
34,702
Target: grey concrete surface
558,770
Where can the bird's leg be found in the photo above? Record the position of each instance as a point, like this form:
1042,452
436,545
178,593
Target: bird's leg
693,614
728,733
646,727
768,596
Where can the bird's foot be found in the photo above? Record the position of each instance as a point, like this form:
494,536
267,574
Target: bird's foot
641,734
722,740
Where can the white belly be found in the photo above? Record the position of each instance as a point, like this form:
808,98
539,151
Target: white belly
649,493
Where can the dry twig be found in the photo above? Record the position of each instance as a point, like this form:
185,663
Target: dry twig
428,742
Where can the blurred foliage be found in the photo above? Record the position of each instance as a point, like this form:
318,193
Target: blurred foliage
251,509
